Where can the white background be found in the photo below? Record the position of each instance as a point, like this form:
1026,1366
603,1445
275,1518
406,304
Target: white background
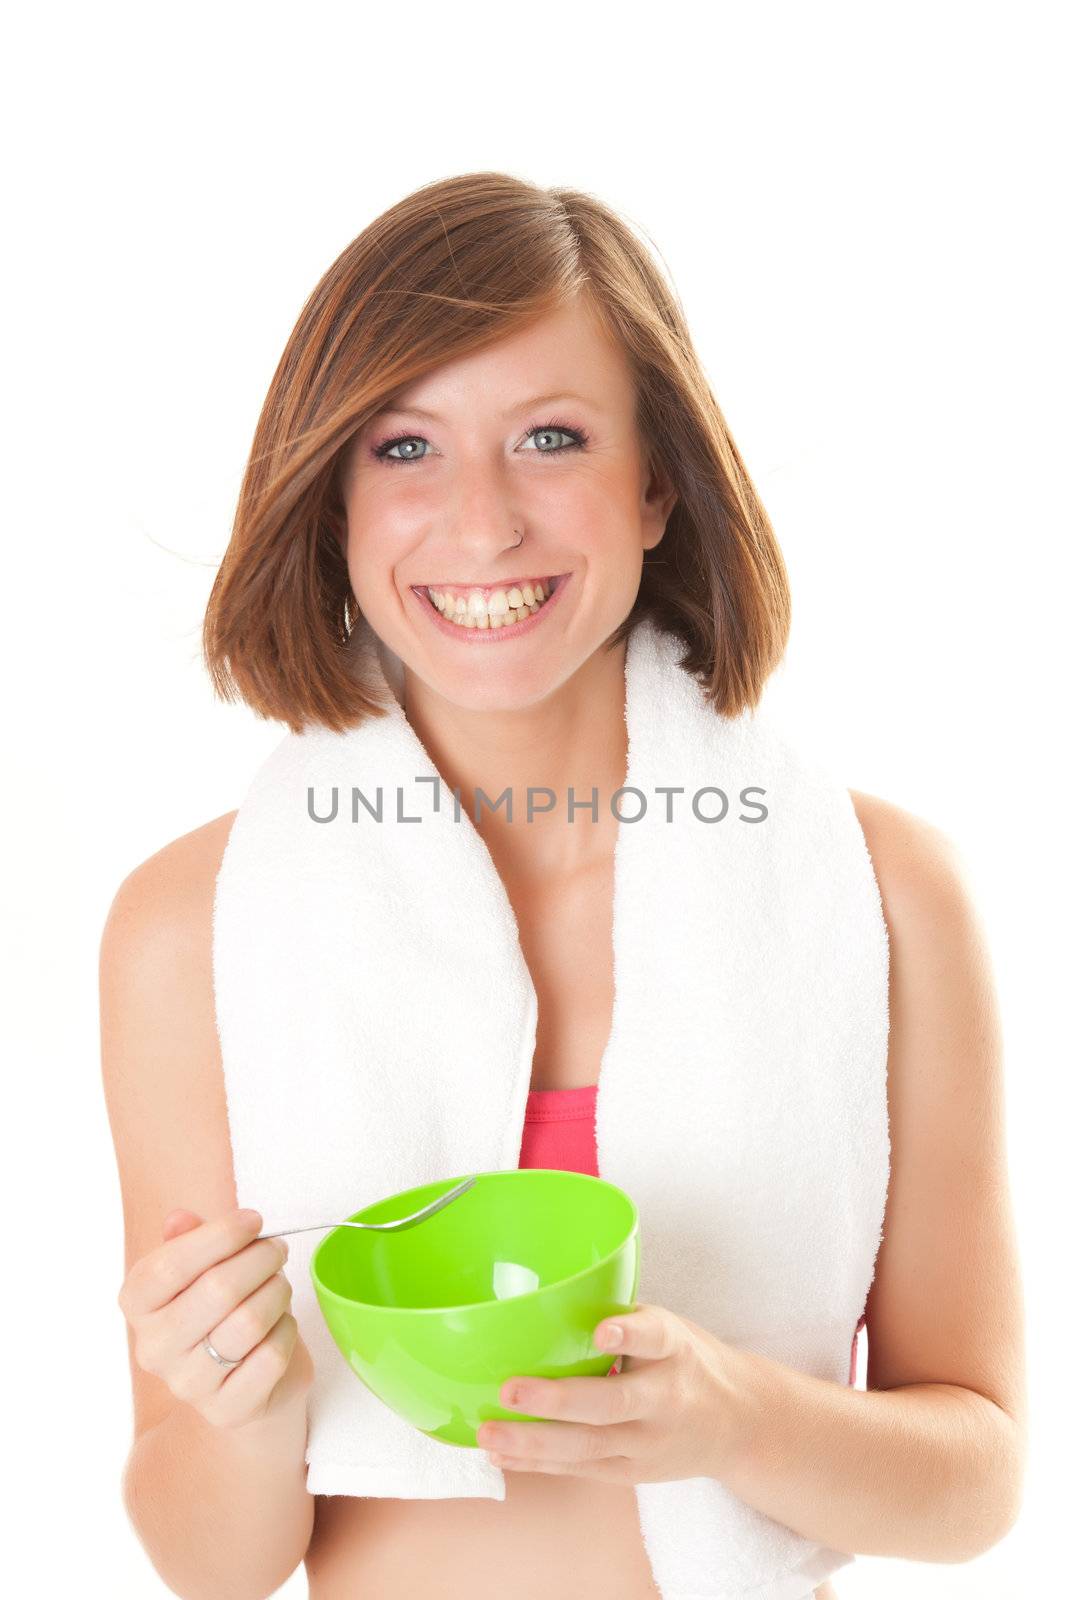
859,208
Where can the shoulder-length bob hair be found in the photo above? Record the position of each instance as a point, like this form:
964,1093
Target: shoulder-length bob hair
451,268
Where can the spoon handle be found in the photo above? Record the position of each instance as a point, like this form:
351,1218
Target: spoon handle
311,1227
397,1225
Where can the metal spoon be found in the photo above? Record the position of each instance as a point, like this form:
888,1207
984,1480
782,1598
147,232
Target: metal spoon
396,1226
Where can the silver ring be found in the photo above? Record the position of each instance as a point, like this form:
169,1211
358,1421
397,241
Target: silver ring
519,541
223,1361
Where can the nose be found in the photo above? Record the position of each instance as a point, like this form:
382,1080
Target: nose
484,519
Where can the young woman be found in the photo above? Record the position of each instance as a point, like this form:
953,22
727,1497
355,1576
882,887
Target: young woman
490,450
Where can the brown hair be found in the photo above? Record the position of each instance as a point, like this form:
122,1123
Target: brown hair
453,267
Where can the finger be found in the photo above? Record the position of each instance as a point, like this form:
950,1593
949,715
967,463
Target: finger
558,1441
180,1221
245,1392
591,1400
610,1469
214,1297
251,1321
168,1270
649,1333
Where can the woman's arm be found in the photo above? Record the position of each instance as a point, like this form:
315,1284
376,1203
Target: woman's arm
928,1462
221,1513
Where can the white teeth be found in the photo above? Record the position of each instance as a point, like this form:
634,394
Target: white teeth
500,608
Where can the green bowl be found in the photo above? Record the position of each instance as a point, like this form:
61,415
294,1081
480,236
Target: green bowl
509,1280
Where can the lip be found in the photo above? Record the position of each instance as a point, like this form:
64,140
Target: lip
508,630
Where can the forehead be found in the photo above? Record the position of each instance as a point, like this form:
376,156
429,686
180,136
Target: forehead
564,355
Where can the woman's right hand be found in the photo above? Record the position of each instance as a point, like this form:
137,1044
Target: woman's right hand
218,1280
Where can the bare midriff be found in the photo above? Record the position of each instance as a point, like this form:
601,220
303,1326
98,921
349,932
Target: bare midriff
556,1535
559,1536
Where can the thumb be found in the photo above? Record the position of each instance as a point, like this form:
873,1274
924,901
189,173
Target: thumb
178,1222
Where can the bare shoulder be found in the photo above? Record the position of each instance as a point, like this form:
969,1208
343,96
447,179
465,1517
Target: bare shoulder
945,1305
917,864
944,1025
163,900
160,1058
156,992
939,957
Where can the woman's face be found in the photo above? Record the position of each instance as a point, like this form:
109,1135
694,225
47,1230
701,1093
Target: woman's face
438,488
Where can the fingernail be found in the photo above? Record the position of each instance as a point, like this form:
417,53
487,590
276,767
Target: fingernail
251,1218
611,1335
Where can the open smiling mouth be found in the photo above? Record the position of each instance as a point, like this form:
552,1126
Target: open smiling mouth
498,609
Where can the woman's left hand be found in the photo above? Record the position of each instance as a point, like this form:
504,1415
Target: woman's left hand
676,1409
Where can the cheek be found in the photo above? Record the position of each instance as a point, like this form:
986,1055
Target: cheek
597,516
613,543
379,541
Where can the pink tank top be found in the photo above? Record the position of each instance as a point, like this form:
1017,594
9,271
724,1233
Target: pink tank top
560,1132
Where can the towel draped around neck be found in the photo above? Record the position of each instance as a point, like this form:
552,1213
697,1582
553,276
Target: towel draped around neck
377,1022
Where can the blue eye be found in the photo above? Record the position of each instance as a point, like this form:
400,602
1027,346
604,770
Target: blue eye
382,451
556,427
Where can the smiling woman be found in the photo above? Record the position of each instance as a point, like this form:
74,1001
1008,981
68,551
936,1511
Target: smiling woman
305,1019
589,512
555,421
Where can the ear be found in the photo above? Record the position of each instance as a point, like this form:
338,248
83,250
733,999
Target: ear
660,499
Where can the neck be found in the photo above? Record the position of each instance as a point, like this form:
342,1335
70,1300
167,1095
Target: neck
573,738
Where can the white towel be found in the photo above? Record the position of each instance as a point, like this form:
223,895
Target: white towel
377,1022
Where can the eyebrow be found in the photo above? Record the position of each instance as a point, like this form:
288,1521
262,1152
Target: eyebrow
523,405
